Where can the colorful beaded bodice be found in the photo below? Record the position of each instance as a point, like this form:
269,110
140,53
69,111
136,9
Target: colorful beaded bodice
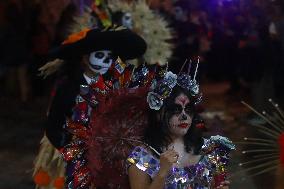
198,176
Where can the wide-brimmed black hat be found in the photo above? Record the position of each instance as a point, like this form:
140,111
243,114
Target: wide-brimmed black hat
122,42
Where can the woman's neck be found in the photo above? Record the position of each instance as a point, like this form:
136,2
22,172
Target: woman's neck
185,158
177,140
177,143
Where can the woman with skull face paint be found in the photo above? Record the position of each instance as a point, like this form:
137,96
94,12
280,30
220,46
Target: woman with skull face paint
182,156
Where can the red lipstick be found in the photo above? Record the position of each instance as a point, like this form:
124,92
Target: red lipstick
183,125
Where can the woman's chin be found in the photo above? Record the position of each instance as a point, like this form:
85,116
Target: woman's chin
180,132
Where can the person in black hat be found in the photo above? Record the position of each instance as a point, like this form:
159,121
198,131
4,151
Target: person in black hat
97,50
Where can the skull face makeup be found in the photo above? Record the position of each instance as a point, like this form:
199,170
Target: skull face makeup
101,61
127,20
181,118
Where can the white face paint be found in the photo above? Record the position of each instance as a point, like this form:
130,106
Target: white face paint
181,119
127,20
101,61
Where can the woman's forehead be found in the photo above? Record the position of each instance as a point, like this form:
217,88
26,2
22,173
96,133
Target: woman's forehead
182,99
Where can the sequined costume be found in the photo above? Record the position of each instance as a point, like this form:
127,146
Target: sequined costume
202,175
97,126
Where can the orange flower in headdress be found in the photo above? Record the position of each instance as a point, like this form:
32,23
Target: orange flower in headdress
76,36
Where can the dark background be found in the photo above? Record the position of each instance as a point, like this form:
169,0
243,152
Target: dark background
240,42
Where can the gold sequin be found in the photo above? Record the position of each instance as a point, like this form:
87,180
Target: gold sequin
131,160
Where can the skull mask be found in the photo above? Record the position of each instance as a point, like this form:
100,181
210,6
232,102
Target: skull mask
127,20
101,61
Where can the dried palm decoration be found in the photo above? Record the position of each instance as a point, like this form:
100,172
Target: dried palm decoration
267,151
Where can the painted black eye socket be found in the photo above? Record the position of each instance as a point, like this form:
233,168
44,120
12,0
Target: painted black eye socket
177,109
99,55
188,110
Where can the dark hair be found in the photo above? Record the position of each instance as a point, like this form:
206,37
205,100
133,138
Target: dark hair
157,133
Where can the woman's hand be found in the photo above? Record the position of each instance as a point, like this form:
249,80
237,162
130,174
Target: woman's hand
223,185
167,159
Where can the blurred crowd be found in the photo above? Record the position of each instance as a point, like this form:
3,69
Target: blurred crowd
239,41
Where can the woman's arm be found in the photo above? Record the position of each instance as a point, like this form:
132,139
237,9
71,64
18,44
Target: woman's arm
140,180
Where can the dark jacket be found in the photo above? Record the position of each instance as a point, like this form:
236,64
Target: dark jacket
61,108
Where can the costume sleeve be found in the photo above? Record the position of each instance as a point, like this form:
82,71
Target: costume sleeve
61,107
144,161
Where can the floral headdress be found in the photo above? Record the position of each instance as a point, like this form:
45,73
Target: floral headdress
162,89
